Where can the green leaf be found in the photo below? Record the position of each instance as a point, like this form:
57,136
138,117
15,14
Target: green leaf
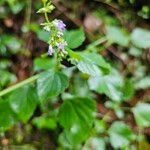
5,63
43,64
142,114
46,9
15,6
40,33
136,52
92,64
144,83
80,86
7,117
128,90
14,44
70,139
97,60
110,85
141,38
51,84
89,68
6,78
81,112
43,35
120,135
96,143
100,126
116,107
78,121
74,38
23,102
44,122
117,35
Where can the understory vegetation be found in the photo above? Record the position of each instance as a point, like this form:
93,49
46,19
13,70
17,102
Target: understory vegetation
74,75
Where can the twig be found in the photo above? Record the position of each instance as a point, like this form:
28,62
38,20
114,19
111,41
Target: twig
114,9
111,50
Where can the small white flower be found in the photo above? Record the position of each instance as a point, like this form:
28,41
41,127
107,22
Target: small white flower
59,34
61,46
47,28
50,50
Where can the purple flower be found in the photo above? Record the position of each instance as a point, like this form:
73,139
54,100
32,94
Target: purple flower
60,25
50,50
61,46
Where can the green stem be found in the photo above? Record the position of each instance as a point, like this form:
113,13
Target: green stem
57,61
16,86
97,42
46,16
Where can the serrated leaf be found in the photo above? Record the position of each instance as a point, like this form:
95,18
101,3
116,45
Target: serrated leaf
76,115
70,139
23,102
109,85
81,112
141,38
97,60
89,68
142,114
117,35
74,38
92,64
120,135
51,84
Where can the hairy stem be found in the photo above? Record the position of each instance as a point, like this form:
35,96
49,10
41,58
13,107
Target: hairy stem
16,86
